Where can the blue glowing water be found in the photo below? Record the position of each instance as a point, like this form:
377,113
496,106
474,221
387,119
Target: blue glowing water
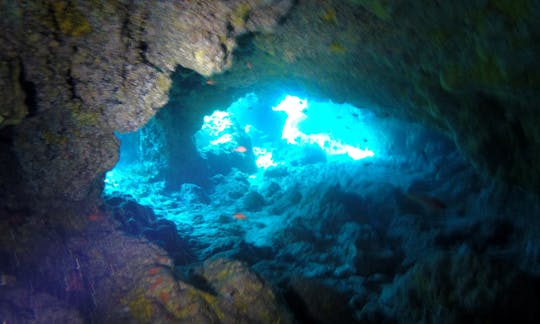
292,131
338,130
299,140
313,189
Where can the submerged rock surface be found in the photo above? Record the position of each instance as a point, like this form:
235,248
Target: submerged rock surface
80,70
93,271
73,72
414,235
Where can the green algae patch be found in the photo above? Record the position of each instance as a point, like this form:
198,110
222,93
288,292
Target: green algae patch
486,72
163,82
140,307
515,9
240,292
13,109
51,138
224,274
69,19
240,15
336,48
439,37
380,8
488,69
453,78
210,300
200,56
329,16
86,117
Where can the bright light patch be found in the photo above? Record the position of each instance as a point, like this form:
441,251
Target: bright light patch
264,158
222,139
217,131
216,123
325,117
358,154
251,129
110,180
294,108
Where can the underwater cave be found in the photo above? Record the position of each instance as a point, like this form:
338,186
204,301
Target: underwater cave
269,161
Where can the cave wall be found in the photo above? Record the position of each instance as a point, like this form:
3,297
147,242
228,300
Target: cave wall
466,68
75,71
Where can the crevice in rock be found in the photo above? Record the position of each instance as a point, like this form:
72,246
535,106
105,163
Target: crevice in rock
299,307
245,45
30,92
56,32
72,85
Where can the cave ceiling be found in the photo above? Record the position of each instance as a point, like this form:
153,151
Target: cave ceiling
73,72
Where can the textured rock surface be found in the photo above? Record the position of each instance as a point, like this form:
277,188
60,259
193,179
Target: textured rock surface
79,266
12,106
200,35
481,293
43,308
245,297
317,302
448,65
83,69
73,72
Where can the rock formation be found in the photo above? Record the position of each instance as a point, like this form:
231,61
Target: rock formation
74,72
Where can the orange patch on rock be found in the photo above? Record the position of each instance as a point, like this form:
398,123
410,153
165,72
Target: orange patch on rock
96,217
163,260
164,297
156,283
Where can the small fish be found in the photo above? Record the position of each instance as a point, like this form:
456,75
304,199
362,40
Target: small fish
210,82
164,297
74,281
249,65
240,149
7,280
17,219
240,216
427,202
96,217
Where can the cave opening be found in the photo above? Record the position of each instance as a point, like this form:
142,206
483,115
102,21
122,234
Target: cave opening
297,188
266,161
285,167
312,194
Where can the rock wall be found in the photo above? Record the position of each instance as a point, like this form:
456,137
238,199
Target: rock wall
465,68
75,71
72,72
